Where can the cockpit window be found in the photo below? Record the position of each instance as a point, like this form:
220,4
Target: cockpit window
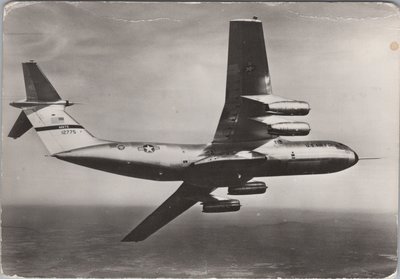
341,146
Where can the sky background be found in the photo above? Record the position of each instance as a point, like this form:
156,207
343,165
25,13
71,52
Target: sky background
157,72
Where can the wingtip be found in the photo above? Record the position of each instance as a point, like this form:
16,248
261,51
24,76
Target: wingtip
254,19
133,237
31,61
129,239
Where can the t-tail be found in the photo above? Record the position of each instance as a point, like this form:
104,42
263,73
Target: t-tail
44,110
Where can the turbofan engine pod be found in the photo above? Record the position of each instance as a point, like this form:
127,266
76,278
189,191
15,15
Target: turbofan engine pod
290,129
288,108
250,188
221,206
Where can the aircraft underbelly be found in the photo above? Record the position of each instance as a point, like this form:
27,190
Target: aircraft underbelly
231,173
131,169
142,160
301,167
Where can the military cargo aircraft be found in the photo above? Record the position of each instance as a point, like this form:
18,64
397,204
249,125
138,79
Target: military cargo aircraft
247,143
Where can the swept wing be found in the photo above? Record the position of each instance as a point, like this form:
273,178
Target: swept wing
185,197
248,75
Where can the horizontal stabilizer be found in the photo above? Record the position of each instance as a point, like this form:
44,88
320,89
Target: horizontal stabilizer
21,126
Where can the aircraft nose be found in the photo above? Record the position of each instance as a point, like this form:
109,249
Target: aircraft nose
353,158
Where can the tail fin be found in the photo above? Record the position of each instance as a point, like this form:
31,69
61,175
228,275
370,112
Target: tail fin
45,111
37,86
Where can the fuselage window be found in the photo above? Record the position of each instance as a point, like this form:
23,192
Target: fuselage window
121,146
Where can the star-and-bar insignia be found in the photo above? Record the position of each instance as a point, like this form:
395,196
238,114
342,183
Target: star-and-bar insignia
249,68
148,148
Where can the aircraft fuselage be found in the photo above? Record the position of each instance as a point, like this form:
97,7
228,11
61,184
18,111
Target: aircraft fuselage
173,162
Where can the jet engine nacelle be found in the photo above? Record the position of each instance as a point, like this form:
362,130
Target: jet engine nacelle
221,206
288,108
289,129
250,188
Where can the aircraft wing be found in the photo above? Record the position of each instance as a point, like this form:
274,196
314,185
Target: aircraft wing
248,75
185,197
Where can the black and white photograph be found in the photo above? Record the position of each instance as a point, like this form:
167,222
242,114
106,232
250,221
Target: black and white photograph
200,139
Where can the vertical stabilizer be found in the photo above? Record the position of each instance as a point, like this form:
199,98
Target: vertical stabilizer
45,111
37,86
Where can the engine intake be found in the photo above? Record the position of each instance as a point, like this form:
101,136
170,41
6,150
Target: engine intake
221,206
250,188
288,108
289,129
